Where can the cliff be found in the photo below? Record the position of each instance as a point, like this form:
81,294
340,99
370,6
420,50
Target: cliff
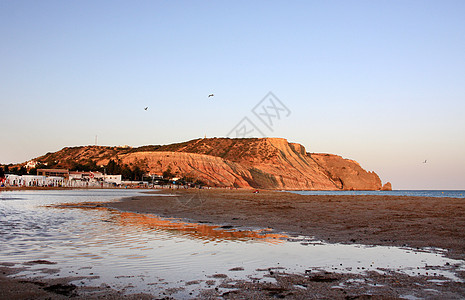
270,163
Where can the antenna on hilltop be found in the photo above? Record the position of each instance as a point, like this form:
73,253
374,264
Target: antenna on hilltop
96,140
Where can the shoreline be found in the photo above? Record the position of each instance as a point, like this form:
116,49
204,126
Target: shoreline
3,188
416,222
39,188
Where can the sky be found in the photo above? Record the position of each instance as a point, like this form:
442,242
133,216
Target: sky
379,82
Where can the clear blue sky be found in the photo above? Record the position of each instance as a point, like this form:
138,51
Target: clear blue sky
380,82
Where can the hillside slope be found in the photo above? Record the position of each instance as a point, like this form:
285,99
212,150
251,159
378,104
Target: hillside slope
270,163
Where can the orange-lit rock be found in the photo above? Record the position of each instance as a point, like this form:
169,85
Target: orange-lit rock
269,163
387,187
200,231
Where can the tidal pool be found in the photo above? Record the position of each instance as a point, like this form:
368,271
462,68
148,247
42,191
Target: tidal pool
145,253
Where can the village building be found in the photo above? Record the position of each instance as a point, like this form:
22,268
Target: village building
53,172
86,176
115,179
94,177
34,180
31,164
63,178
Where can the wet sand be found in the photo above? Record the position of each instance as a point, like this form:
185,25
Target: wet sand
12,288
371,220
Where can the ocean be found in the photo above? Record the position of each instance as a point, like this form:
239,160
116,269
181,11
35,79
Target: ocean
410,193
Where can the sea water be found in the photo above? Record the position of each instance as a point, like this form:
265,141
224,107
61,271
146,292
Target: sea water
410,193
145,253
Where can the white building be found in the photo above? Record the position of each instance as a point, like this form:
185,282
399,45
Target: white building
76,179
116,179
31,164
12,180
34,180
86,176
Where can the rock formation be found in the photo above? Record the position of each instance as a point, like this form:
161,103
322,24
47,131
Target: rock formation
387,187
269,163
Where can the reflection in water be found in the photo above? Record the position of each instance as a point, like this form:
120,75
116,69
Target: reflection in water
149,222
198,231
145,253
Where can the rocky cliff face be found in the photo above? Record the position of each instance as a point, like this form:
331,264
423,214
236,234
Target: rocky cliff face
346,173
270,163
212,170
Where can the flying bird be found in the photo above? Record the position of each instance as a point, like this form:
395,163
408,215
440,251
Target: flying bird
424,161
146,108
211,95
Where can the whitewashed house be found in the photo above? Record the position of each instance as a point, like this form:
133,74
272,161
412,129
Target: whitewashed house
34,180
86,176
116,179
31,164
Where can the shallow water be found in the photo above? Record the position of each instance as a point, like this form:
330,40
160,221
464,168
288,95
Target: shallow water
410,193
145,253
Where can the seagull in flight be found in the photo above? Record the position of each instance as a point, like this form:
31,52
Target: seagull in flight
211,95
146,108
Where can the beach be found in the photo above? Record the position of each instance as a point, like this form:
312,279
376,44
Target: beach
371,220
413,222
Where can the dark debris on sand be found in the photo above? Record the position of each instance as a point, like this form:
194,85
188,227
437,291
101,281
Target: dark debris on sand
328,285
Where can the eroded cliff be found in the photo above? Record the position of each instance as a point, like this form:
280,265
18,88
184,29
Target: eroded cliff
269,163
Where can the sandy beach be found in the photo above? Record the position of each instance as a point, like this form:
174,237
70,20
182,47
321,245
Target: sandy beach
415,222
370,220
